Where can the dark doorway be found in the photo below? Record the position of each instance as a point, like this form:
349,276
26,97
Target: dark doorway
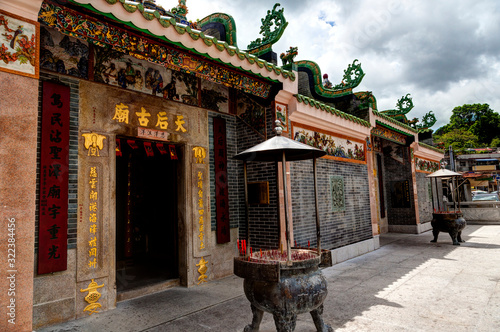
146,214
381,186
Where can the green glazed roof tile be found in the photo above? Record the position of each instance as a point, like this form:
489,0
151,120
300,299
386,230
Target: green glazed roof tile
385,117
430,147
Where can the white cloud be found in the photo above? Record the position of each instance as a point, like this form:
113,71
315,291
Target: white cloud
444,53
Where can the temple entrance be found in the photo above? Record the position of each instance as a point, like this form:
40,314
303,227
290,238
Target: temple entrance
395,185
147,245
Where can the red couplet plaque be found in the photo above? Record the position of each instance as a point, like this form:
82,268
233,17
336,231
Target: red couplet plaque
54,164
221,188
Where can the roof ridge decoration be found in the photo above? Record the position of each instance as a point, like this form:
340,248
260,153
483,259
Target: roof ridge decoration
430,147
319,105
273,18
405,105
367,99
353,76
226,20
428,120
396,122
181,10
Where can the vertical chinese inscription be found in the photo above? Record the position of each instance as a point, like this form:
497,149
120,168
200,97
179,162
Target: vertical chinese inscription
54,163
199,155
93,216
221,187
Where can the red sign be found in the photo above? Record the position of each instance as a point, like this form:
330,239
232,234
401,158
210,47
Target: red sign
221,187
54,162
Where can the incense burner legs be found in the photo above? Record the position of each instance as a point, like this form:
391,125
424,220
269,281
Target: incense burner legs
295,293
451,223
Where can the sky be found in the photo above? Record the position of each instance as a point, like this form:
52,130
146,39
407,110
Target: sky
444,53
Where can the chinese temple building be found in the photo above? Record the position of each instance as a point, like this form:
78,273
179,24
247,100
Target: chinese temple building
119,121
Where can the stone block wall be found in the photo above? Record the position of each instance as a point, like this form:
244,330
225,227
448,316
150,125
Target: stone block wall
339,227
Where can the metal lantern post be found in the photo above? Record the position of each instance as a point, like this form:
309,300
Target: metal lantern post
283,286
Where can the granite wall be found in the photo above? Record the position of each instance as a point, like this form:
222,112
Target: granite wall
18,125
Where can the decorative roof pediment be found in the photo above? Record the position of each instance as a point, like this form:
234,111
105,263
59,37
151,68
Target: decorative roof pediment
137,17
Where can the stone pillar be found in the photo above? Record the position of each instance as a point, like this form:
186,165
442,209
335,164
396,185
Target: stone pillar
372,187
18,125
18,150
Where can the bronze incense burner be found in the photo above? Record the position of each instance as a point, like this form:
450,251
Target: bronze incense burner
287,282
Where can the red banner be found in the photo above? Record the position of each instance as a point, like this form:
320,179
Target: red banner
54,164
161,148
149,149
132,144
173,153
221,187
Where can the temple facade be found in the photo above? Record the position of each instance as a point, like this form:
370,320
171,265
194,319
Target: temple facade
119,121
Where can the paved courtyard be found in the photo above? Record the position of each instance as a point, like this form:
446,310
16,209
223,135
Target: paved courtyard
409,284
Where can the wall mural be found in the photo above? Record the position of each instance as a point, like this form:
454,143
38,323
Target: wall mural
345,149
426,166
118,69
101,34
63,54
214,97
389,135
252,113
281,111
18,45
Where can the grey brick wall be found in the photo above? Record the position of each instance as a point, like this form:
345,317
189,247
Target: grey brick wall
73,154
264,226
424,197
232,169
337,228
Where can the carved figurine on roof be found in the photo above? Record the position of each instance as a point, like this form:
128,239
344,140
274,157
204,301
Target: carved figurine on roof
181,9
272,28
403,107
287,58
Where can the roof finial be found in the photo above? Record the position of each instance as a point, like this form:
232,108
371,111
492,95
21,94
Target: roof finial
278,129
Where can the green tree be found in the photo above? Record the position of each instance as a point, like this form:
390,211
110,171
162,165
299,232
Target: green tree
478,119
495,143
459,139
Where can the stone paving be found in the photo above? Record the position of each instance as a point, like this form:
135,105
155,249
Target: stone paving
409,284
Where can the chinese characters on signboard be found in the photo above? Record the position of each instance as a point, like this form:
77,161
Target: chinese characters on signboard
54,163
199,155
161,120
93,217
221,187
